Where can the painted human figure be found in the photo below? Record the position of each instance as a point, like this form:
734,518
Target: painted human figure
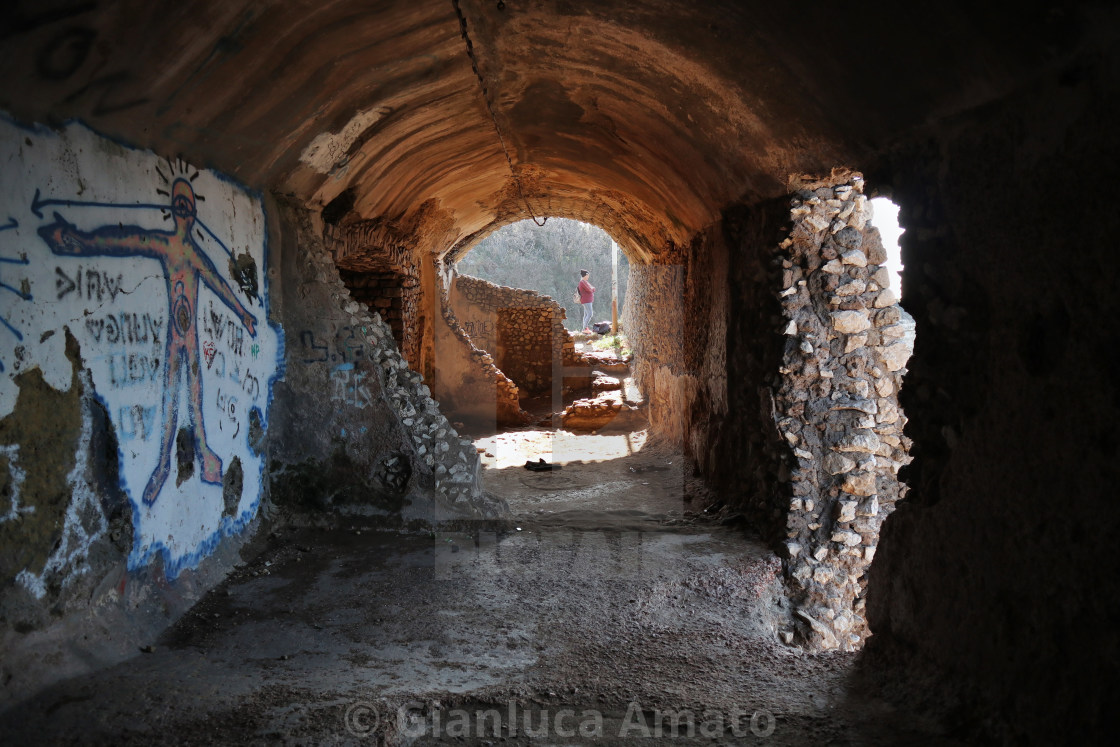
184,265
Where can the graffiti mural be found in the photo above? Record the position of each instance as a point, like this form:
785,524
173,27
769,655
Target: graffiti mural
157,269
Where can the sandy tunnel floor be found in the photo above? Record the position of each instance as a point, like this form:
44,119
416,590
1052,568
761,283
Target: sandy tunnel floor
606,614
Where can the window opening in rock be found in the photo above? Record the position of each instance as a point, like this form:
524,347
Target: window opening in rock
394,295
886,220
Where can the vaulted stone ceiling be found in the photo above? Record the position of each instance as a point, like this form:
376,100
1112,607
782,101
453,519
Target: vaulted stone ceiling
643,116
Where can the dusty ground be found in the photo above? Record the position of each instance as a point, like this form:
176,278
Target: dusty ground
608,610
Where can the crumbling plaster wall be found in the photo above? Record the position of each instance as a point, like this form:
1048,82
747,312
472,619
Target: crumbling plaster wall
676,318
137,357
523,330
653,319
997,577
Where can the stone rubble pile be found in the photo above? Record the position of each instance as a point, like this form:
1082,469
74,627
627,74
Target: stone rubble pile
600,382
837,408
451,460
594,412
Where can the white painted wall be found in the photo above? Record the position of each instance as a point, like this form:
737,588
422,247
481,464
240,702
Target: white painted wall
85,245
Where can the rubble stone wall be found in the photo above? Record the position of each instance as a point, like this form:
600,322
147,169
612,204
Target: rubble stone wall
521,329
847,345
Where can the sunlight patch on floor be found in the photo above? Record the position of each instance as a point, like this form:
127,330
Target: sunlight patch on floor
514,448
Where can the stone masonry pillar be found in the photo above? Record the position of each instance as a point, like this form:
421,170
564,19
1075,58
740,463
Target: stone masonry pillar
837,408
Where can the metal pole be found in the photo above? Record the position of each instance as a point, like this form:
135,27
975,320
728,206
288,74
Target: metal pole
614,287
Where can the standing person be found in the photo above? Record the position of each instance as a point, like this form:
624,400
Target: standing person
586,296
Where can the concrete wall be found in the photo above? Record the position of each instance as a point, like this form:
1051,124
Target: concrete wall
137,360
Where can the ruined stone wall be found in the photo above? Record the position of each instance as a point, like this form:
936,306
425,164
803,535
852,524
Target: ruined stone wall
998,576
467,381
837,406
522,329
357,431
137,355
397,300
381,268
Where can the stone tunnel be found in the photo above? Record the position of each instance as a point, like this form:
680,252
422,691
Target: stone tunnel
228,300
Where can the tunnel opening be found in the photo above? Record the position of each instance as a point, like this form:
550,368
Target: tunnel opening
547,259
517,296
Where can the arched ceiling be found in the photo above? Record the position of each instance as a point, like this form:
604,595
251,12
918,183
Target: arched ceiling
645,117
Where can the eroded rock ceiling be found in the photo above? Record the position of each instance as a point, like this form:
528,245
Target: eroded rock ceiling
645,117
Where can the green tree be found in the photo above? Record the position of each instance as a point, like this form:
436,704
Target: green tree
547,259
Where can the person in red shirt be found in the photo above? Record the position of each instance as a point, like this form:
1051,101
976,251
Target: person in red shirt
586,293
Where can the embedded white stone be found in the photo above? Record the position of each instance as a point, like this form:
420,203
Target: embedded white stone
861,485
854,257
850,322
816,222
885,298
852,288
837,464
895,355
865,443
848,538
855,342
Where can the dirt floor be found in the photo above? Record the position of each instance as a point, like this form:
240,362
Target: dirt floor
607,613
